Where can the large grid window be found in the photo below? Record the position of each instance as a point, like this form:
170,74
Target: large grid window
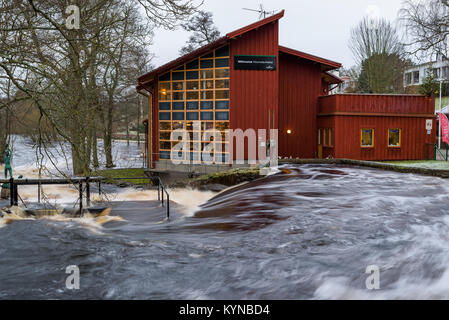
195,91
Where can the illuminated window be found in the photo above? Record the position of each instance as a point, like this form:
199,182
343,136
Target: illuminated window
325,137
394,137
367,138
197,90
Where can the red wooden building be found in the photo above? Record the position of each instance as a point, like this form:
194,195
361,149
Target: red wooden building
247,80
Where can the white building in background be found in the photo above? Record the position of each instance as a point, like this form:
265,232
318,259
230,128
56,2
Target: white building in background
416,75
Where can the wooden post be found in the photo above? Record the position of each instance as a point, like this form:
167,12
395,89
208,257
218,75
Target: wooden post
81,198
88,192
11,191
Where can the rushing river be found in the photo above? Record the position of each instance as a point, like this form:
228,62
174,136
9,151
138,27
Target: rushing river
308,232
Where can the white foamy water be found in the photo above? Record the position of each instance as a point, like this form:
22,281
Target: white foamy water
55,195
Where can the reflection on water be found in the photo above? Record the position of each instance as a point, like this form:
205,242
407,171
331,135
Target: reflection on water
308,232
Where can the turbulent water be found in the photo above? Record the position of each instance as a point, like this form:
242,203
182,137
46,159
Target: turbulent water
308,232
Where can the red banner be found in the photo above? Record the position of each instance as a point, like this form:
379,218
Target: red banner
444,123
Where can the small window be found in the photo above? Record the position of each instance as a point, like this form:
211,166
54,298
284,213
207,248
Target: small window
207,64
221,63
329,137
319,136
164,115
221,104
178,95
192,105
178,75
408,78
209,55
323,137
416,77
178,115
178,125
222,116
192,116
164,105
394,137
193,95
222,94
207,105
222,84
179,86
207,84
165,77
164,95
222,73
192,65
165,155
192,85
178,105
192,75
367,138
222,52
207,116
222,126
165,135
207,74
164,86
165,126
207,95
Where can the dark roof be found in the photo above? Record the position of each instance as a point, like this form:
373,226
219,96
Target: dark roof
326,64
220,42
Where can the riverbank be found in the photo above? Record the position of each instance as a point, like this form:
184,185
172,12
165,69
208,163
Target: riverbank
221,180
428,168
211,182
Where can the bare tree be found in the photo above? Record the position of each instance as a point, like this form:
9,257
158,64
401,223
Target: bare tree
204,31
59,69
426,25
378,51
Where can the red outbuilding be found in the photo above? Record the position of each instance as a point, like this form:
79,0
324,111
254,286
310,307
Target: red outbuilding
246,80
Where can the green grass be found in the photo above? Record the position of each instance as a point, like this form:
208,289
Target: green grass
123,173
425,164
445,102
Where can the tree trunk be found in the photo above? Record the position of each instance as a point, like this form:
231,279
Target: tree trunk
94,147
108,137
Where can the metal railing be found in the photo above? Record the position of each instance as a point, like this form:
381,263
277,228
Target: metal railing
14,183
160,191
438,151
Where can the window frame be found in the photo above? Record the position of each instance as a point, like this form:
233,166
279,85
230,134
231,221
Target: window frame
400,138
193,72
372,138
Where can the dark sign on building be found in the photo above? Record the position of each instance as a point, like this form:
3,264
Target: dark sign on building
245,62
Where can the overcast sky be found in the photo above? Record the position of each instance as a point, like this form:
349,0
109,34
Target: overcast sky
319,27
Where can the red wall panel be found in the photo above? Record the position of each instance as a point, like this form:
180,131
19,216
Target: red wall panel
299,87
352,113
254,92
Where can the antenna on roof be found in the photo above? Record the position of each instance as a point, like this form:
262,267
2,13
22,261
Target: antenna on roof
262,13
